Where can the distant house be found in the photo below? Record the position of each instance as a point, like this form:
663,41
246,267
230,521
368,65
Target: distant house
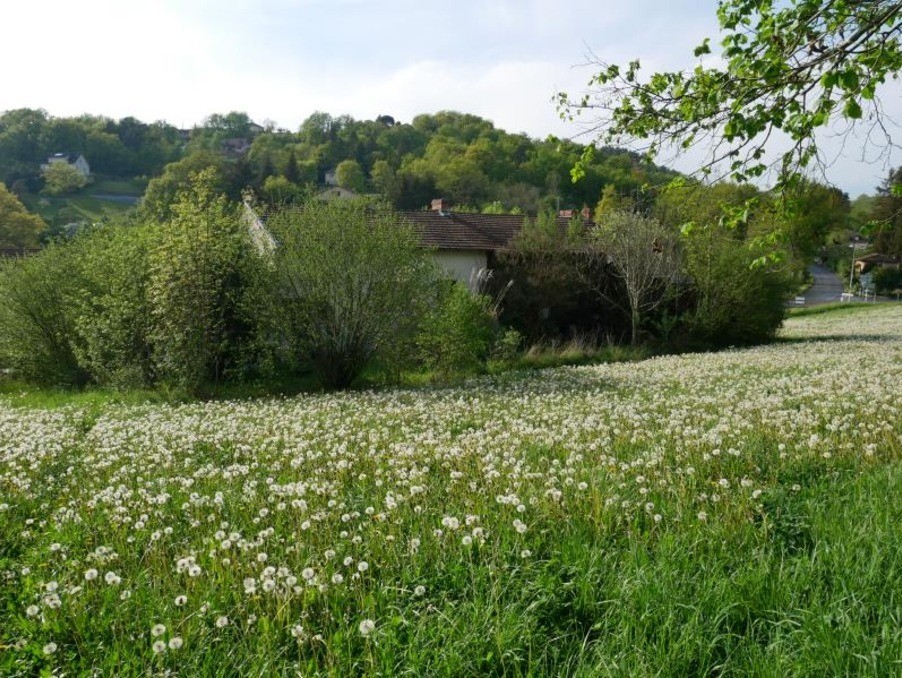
876,260
336,193
236,147
462,243
76,160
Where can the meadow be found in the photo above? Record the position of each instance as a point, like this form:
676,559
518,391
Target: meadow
724,513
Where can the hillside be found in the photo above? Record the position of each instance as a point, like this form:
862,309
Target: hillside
460,157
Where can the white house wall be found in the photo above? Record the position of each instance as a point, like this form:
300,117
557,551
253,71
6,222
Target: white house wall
461,264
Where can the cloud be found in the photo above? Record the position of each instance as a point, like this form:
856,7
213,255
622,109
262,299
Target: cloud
181,60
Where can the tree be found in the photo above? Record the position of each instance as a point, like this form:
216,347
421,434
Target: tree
18,228
792,67
163,191
734,303
350,175
292,172
354,285
558,279
36,318
279,191
611,201
644,256
384,180
887,215
195,283
61,178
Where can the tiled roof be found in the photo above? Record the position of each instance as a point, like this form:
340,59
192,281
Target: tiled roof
463,231
458,231
878,258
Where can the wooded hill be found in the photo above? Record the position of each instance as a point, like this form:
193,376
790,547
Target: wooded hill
460,157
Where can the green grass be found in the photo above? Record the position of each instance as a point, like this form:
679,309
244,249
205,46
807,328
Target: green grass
21,394
707,514
84,205
837,308
130,187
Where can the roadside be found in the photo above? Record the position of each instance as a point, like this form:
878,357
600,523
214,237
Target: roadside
827,288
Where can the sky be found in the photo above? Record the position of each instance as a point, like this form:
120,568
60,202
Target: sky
281,60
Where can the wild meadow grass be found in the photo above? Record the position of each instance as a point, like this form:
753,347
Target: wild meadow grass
729,513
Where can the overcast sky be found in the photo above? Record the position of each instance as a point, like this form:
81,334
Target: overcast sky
181,60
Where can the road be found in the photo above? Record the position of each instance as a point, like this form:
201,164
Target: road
826,289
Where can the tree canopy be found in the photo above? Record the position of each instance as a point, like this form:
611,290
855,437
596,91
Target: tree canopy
788,68
18,228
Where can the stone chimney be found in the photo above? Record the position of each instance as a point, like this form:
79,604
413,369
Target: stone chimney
441,206
586,214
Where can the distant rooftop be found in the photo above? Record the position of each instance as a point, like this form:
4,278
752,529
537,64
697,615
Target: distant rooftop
444,229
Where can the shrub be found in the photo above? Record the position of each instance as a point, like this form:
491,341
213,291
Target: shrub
456,338
354,286
36,322
887,279
736,303
112,319
197,274
507,346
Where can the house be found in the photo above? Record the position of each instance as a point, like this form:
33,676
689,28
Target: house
462,243
236,146
76,160
336,193
875,260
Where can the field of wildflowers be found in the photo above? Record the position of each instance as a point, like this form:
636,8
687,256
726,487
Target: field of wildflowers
682,515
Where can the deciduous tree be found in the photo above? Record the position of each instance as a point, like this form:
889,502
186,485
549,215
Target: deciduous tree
61,178
788,67
354,284
18,228
350,175
644,256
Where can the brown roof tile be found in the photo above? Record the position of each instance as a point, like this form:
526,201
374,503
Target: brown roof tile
460,230
465,231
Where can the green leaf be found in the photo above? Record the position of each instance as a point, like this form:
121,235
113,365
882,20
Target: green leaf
852,109
829,79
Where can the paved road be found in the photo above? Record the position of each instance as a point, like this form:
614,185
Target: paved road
826,289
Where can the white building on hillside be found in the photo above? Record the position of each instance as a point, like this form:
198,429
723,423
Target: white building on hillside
76,160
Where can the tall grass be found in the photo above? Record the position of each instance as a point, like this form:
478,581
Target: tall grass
708,514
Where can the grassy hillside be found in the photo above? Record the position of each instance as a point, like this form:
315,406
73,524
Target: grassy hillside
689,515
103,199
